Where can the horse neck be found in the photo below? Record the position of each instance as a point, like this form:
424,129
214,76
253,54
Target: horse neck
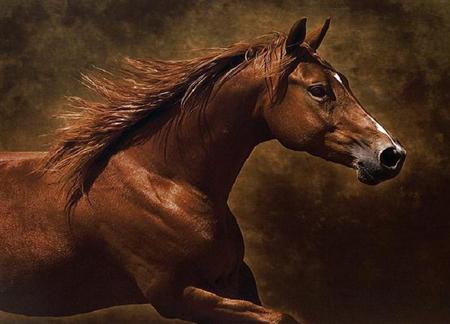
208,146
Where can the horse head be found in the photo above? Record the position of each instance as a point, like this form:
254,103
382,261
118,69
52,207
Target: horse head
319,114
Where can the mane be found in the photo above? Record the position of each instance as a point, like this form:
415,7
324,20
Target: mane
140,88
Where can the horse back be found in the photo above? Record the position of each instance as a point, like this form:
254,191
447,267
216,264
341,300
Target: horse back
33,230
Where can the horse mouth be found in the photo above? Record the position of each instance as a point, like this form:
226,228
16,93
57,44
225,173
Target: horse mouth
371,175
366,177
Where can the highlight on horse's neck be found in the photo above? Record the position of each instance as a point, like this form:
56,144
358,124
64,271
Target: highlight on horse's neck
207,146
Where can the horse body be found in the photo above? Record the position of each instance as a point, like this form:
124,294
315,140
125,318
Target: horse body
155,226
45,268
25,225
188,233
54,269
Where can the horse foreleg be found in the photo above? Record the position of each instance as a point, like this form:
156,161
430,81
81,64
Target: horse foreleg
202,306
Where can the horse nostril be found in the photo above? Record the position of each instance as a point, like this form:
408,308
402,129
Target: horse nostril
390,157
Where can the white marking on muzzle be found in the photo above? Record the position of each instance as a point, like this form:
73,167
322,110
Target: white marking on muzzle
384,131
377,125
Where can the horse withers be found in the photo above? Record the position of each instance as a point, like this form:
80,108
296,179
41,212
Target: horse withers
130,204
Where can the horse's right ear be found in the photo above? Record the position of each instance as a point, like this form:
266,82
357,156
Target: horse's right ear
316,37
296,36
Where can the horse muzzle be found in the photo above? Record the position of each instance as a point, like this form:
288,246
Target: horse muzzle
387,164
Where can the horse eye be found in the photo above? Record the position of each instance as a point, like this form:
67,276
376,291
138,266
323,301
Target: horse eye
318,91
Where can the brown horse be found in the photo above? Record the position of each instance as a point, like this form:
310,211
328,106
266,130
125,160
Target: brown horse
148,172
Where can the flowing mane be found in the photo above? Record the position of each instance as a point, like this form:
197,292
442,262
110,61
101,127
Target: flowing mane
139,89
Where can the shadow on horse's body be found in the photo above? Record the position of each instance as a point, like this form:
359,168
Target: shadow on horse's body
159,159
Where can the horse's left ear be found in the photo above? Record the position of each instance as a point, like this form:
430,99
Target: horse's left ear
296,36
315,38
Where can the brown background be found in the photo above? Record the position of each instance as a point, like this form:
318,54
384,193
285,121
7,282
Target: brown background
321,244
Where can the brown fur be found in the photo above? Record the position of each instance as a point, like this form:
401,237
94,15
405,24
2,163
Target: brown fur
145,87
159,158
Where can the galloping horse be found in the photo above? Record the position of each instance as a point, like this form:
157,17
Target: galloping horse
130,204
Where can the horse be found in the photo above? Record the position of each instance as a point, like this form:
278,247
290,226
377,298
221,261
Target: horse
129,205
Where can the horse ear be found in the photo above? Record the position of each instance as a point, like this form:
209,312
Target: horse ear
296,36
315,38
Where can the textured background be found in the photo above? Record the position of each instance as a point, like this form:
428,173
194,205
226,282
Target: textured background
321,245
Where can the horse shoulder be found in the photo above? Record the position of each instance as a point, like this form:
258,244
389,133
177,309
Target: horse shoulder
158,227
161,214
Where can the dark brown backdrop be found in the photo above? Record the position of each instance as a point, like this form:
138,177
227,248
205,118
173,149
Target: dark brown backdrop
321,244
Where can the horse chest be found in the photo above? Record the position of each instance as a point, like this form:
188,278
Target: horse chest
209,242
225,255
215,244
